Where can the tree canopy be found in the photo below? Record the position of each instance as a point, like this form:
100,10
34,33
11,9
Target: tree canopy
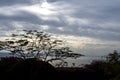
113,57
37,44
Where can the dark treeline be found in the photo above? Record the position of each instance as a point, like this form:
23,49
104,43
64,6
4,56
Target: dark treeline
107,69
110,68
13,68
20,69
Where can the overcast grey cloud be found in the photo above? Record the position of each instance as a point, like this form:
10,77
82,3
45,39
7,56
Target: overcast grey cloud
94,24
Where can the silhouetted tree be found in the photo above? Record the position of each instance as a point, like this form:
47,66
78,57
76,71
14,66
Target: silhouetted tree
37,44
113,57
109,69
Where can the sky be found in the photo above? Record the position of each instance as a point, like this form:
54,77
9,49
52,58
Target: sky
89,27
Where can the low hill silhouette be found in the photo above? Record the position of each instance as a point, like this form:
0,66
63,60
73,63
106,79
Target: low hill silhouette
13,68
21,69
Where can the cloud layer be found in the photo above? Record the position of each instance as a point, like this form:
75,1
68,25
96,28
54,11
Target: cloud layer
96,20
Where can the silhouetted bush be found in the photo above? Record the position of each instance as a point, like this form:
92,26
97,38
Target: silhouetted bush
14,68
33,69
21,69
7,63
110,71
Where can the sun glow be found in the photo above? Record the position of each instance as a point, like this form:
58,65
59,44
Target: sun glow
43,8
45,4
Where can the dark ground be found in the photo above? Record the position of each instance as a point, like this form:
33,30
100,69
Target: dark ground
78,74
33,69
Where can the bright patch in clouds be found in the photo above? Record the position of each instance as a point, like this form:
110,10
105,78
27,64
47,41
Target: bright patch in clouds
44,27
38,9
80,21
61,28
45,4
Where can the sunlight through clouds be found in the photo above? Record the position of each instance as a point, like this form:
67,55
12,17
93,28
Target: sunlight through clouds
38,9
44,27
45,4
81,21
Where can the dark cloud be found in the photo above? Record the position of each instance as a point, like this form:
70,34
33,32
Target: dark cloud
97,19
53,0
23,16
98,13
13,2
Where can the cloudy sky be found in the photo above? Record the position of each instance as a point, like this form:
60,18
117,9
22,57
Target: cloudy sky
90,27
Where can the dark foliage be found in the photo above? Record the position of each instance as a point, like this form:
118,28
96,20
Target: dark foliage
110,67
29,69
8,63
110,71
78,74
12,68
